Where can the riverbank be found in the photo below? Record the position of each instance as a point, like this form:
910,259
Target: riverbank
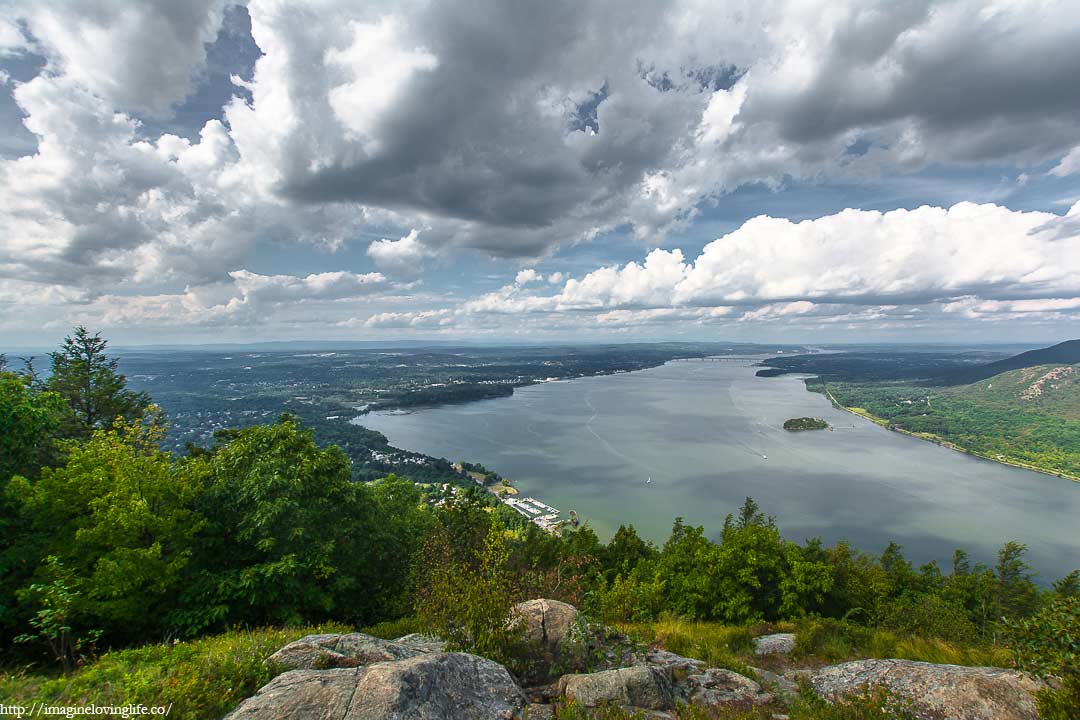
861,412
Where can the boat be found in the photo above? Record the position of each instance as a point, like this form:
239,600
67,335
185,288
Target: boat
649,481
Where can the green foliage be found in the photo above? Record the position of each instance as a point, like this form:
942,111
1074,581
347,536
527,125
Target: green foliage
838,640
118,517
288,537
94,392
201,679
29,420
1013,416
805,423
1048,644
55,602
467,597
719,645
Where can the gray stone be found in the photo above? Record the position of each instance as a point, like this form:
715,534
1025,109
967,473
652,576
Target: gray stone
717,687
777,684
540,711
301,695
775,644
454,686
423,643
640,686
546,622
937,692
317,652
678,666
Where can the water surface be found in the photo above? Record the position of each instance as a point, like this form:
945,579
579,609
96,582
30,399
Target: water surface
709,434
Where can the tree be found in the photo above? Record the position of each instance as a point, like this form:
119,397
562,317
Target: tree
289,537
625,552
87,379
1017,594
119,517
29,420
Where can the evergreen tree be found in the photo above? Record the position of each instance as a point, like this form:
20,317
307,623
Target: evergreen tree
86,378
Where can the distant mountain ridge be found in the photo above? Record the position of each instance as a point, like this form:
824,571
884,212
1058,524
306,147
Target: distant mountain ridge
1064,353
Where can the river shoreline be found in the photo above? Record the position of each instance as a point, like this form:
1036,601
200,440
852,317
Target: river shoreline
945,443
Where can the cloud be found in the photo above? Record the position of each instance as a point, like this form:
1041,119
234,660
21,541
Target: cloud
856,266
138,57
445,117
1069,165
403,256
526,276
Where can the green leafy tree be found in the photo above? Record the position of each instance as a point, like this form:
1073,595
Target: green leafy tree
625,552
87,379
1048,644
684,570
468,601
54,600
1017,595
119,515
29,421
288,537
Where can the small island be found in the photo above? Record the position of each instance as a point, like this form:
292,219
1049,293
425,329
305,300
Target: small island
805,423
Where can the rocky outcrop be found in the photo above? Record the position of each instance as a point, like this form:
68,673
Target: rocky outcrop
717,687
937,692
315,652
546,622
775,644
432,686
671,681
423,643
640,686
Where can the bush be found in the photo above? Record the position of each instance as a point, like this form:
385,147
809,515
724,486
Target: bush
1048,644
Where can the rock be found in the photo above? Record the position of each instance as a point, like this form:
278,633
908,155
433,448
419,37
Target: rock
314,652
678,666
640,686
776,644
717,687
937,692
777,684
455,686
423,643
547,622
303,695
540,711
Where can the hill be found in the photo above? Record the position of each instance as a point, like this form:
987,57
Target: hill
1028,417
1065,353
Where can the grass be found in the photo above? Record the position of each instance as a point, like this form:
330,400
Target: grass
835,641
722,646
393,629
204,678
818,641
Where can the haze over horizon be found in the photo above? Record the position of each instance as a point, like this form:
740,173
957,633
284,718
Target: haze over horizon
800,172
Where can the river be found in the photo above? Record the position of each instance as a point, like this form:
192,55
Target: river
708,434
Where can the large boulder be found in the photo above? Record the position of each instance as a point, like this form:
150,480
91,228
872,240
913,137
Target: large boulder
937,692
717,687
434,686
319,652
547,622
640,686
775,644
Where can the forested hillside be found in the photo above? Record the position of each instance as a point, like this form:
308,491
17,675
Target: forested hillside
1029,416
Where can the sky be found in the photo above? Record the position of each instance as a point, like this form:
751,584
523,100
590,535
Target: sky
198,171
